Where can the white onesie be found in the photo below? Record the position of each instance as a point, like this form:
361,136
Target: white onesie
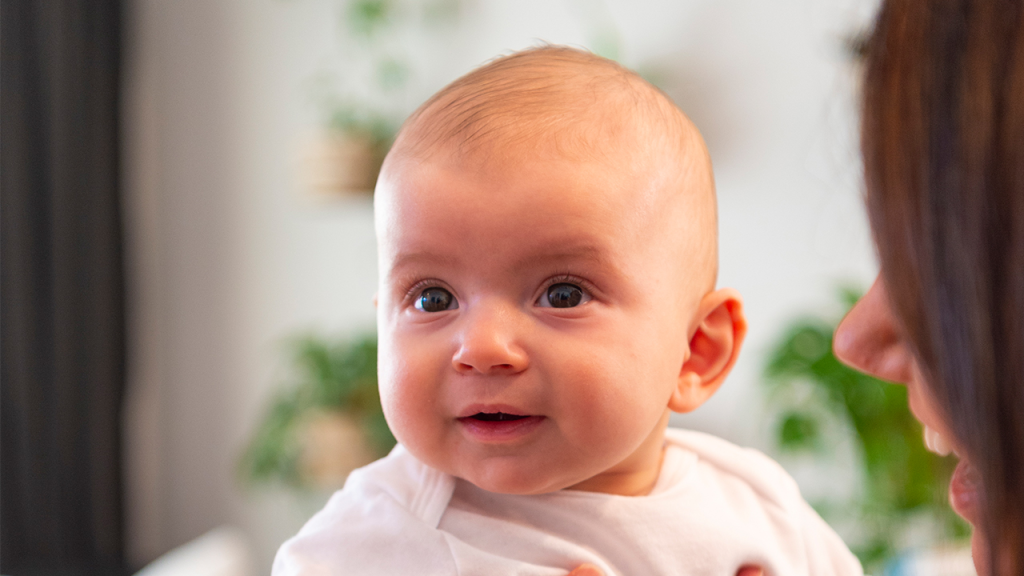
715,507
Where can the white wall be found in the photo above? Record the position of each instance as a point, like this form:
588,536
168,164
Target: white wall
228,256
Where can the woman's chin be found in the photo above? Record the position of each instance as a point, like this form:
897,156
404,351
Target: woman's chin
979,553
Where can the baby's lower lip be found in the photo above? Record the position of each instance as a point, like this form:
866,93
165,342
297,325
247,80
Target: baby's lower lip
964,491
494,428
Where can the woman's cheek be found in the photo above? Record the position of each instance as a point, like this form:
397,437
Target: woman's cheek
922,406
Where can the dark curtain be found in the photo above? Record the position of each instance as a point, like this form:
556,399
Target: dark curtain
61,288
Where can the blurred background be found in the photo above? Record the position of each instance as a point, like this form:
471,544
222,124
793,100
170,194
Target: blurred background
189,260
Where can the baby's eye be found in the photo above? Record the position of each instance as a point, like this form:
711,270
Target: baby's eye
436,300
563,295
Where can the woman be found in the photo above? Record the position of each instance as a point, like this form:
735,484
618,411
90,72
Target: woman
943,144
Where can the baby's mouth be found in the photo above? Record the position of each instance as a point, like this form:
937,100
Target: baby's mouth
498,426
496,417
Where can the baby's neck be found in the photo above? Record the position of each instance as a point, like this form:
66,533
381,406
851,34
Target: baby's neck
637,474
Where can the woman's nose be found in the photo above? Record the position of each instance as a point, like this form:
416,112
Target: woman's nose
868,339
490,341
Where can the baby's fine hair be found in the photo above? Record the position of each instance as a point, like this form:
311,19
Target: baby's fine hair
557,96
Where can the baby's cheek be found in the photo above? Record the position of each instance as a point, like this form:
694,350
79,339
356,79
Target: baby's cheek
416,391
404,389
605,410
639,398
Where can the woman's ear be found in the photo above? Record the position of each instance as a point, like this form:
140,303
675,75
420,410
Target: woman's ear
714,347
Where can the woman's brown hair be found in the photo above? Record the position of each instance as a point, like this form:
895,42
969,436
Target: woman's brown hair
943,143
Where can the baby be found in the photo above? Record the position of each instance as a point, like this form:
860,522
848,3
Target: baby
547,242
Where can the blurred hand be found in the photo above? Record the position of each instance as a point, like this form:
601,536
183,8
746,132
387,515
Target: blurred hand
591,570
587,570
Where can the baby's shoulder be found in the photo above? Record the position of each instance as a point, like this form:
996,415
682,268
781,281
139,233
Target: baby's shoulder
751,467
384,521
741,472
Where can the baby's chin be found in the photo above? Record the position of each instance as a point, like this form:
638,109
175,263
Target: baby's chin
502,479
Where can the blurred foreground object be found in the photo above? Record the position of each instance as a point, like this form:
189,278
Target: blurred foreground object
327,422
223,551
821,400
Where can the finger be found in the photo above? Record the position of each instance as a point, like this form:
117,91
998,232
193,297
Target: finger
587,570
750,571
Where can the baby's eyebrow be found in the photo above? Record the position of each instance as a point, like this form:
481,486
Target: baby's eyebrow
420,258
567,253
580,258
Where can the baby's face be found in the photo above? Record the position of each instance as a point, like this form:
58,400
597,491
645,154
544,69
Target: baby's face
532,319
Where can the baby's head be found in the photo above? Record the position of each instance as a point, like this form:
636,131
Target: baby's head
547,240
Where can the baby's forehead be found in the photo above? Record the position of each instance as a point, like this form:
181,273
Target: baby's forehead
546,189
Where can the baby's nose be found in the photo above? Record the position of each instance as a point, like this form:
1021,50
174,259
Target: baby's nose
490,342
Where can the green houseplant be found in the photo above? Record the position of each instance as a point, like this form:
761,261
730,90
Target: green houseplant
334,382
903,484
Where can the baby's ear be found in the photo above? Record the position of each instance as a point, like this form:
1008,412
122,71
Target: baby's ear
714,347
